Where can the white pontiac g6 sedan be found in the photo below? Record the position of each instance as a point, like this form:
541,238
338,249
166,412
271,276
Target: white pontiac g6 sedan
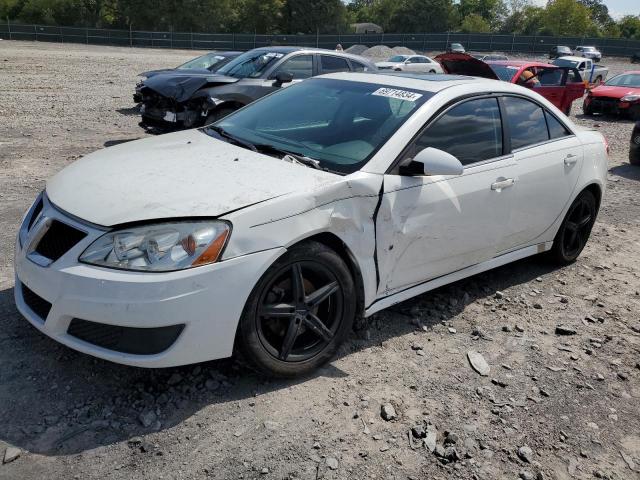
272,229
411,63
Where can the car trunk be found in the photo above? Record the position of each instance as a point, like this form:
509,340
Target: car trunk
464,64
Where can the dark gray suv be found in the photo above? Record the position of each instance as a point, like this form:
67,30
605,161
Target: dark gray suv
175,101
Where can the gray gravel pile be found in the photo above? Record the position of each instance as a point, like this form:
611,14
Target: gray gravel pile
378,53
402,51
356,49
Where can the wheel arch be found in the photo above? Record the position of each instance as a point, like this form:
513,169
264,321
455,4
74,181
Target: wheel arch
596,190
335,243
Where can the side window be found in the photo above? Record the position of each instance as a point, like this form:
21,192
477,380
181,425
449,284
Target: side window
526,122
300,67
470,131
556,129
550,77
333,64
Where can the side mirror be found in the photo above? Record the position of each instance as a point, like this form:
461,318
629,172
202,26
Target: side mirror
432,161
282,77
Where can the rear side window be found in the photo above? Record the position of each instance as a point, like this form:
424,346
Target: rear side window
556,129
470,131
526,122
333,64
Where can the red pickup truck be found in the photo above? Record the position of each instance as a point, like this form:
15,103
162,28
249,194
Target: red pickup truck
560,85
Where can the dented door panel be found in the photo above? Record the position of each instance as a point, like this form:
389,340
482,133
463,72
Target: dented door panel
430,226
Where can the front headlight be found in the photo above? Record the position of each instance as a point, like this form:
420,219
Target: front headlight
630,98
160,247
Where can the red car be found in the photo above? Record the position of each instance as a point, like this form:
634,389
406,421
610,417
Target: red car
618,95
560,85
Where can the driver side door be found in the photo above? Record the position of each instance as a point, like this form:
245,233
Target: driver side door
429,226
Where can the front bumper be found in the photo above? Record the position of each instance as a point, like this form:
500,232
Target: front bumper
607,105
206,302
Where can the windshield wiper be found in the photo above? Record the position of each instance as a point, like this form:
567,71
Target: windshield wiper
297,157
238,141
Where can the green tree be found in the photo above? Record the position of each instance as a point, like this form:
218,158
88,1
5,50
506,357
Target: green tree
568,17
629,26
324,16
492,11
261,16
413,16
474,23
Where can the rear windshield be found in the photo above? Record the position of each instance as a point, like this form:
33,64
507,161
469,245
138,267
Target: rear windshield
504,72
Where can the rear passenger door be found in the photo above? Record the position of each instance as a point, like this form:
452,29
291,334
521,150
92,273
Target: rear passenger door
548,160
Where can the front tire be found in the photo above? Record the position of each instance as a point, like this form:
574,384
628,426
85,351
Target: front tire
575,229
299,312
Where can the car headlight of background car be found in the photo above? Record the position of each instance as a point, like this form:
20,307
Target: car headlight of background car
630,98
160,247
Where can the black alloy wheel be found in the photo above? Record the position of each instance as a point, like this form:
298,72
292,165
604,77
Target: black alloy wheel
299,312
575,229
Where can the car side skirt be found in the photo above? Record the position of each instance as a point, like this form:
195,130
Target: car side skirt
411,292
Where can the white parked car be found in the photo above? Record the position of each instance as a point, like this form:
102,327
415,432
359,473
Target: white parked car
410,63
272,229
588,52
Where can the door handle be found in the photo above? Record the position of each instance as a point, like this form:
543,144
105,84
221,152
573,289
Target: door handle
570,159
500,184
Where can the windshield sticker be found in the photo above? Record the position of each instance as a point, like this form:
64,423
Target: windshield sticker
219,57
274,54
399,94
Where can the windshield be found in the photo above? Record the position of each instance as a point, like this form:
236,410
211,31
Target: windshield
561,62
204,62
504,72
397,58
250,64
588,49
625,80
341,124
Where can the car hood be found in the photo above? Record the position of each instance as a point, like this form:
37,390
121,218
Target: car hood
180,85
465,64
614,92
183,174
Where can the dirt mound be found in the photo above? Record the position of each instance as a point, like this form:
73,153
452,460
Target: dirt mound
402,51
378,53
356,49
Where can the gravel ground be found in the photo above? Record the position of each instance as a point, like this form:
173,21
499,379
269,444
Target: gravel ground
552,406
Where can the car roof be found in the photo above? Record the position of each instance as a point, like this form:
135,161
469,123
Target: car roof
287,50
425,82
519,63
225,54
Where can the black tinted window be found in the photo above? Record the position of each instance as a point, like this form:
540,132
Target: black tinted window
300,66
333,64
556,129
526,122
471,131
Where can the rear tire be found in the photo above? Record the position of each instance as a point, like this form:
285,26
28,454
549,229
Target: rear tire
587,109
286,331
575,229
567,111
218,114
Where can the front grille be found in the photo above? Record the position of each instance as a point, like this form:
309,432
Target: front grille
605,104
37,304
58,240
138,341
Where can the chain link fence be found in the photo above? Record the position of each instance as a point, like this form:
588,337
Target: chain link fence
478,42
